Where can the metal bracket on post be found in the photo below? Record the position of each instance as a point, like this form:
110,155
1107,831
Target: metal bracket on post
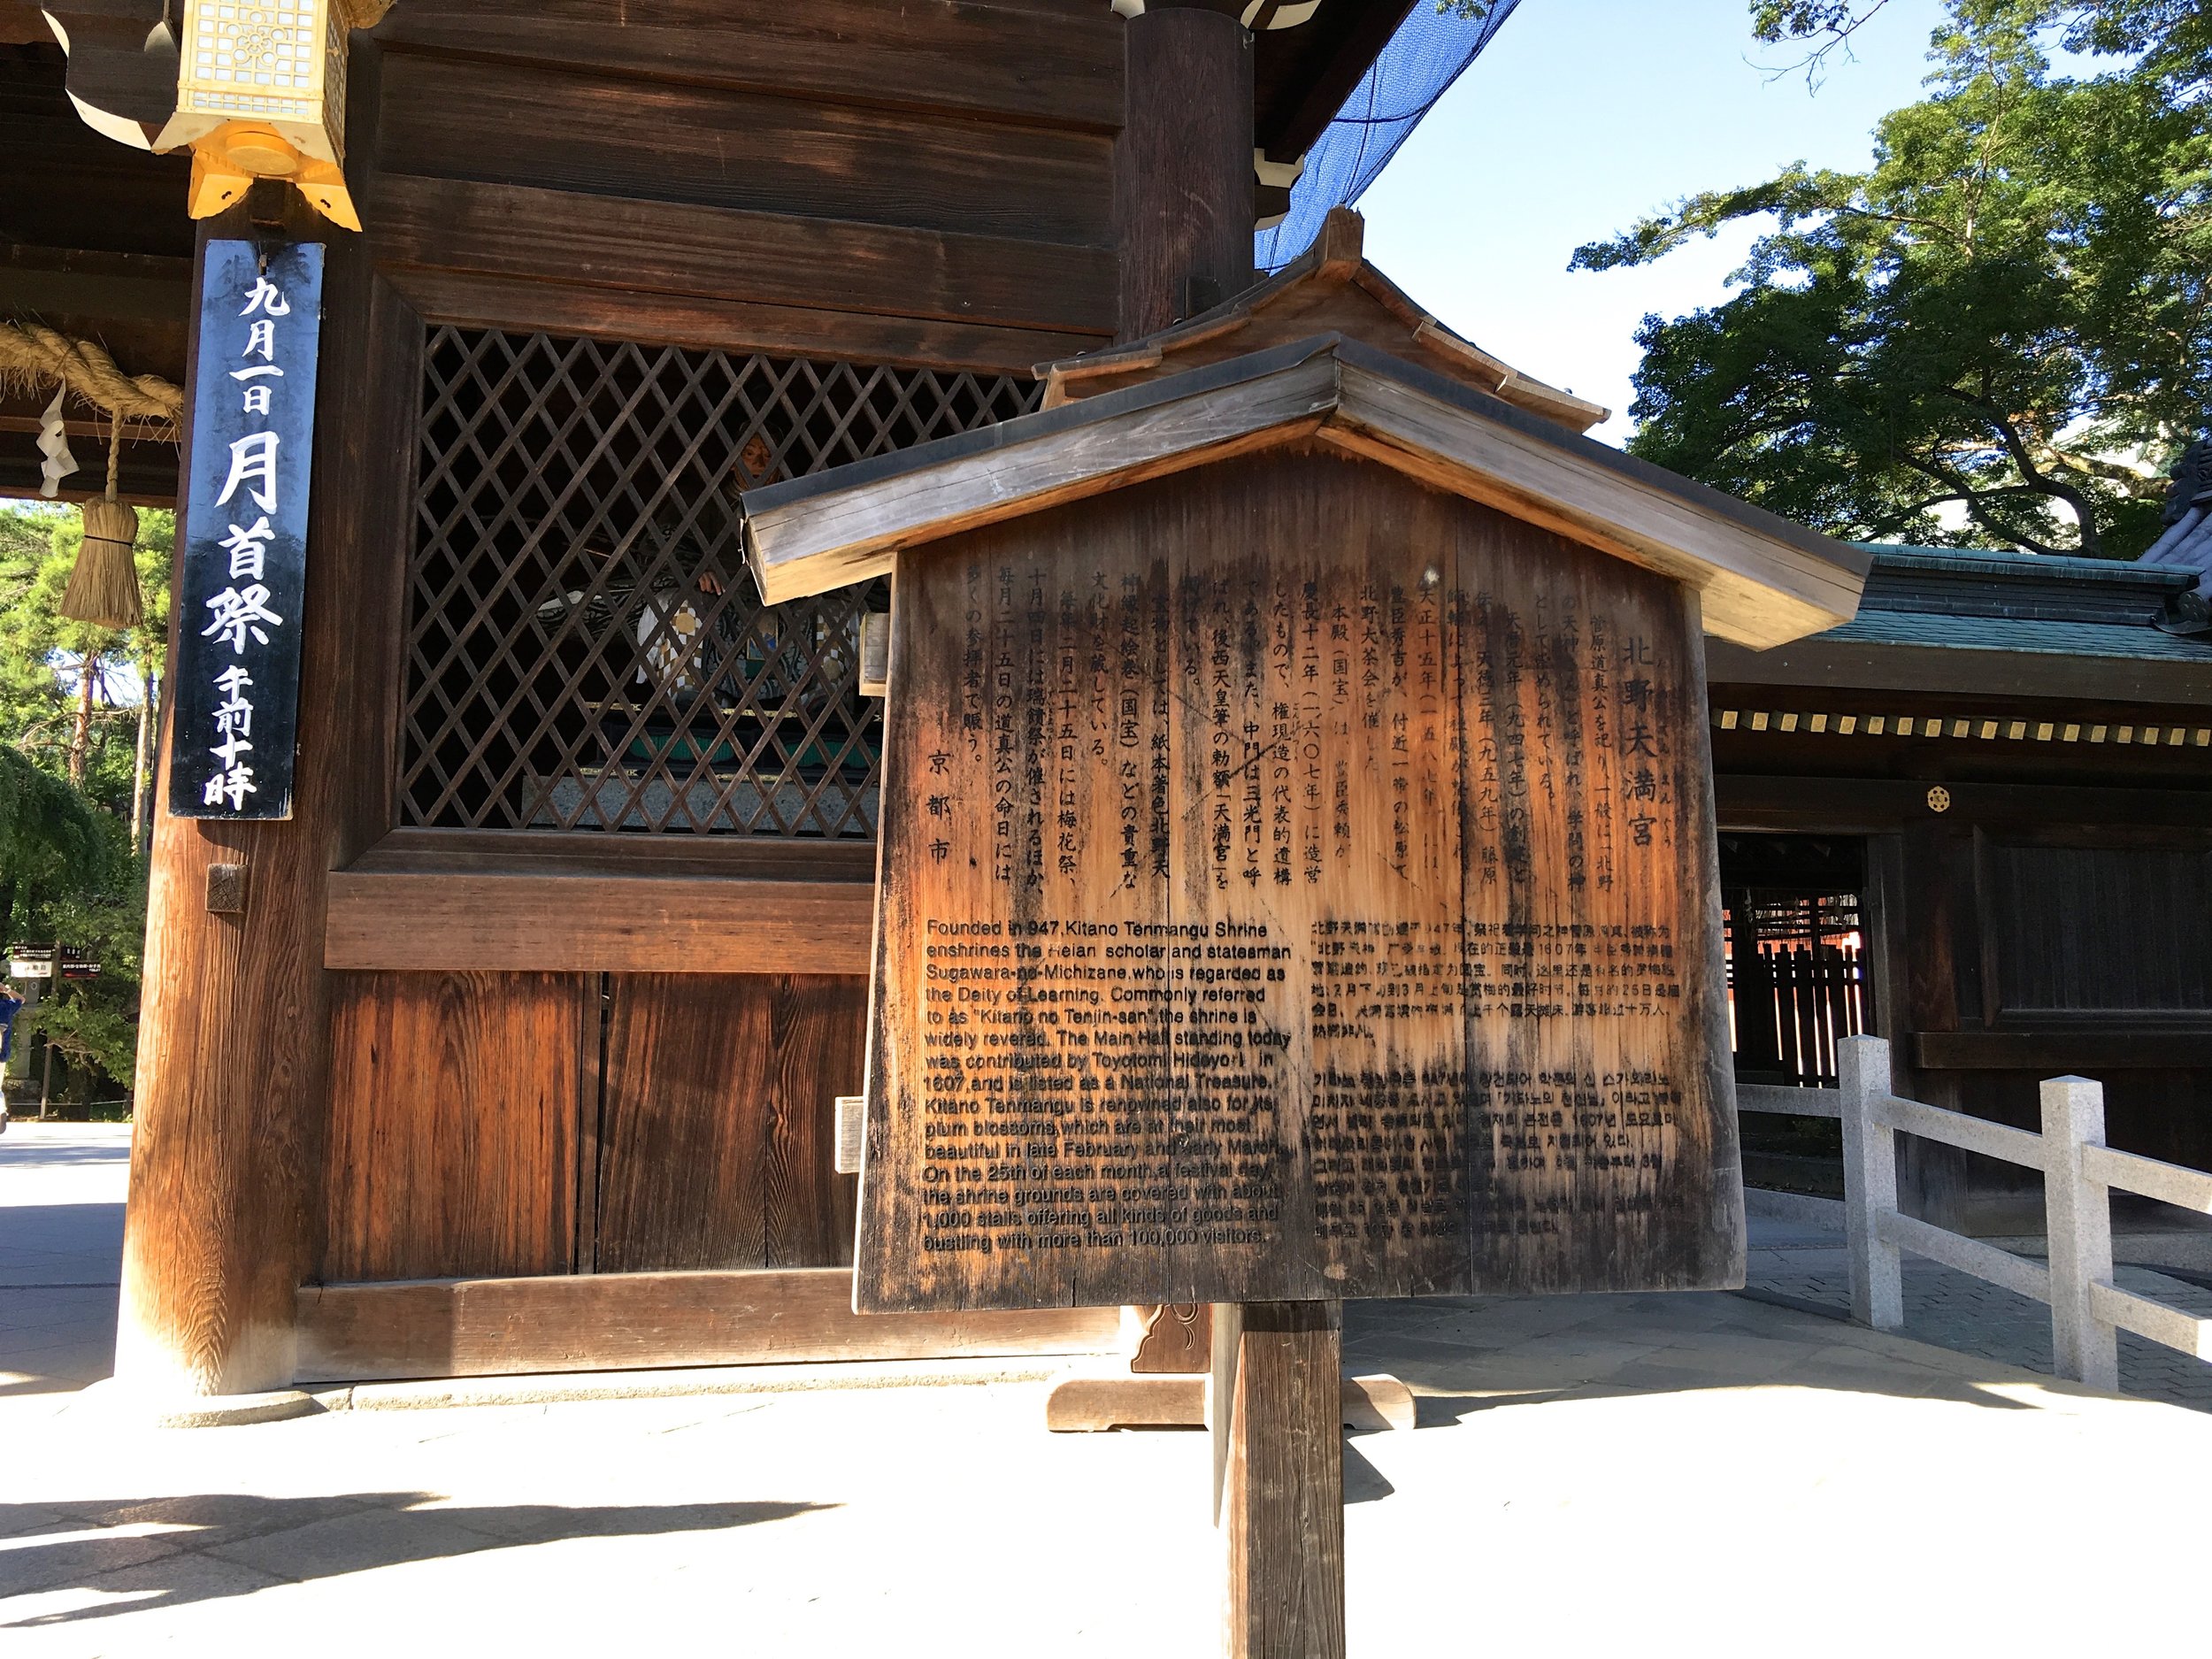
2078,1218
1869,1164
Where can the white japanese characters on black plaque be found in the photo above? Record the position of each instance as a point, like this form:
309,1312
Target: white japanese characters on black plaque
245,545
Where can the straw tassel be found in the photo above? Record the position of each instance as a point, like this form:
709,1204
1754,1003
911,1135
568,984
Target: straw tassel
104,587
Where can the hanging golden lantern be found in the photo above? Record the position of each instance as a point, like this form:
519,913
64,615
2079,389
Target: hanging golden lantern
261,94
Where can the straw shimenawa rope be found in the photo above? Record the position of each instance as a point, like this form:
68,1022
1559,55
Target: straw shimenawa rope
103,585
31,353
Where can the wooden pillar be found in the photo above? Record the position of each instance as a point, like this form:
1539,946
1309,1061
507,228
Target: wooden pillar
224,1221
1183,181
1281,1468
1183,211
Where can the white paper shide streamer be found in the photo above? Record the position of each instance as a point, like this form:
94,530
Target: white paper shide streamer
53,443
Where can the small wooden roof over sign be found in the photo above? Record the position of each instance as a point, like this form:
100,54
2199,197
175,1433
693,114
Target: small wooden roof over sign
1330,288
1761,580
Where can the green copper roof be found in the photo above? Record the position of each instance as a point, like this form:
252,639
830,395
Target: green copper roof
1970,600
1874,626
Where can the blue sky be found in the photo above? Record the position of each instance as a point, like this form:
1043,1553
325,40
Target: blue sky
1581,116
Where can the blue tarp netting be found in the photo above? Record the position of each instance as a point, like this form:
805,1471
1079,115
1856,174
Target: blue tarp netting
1423,58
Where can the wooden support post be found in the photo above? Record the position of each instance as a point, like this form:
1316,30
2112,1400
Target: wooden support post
225,1217
2078,1220
1870,1177
1279,1463
1183,178
1183,213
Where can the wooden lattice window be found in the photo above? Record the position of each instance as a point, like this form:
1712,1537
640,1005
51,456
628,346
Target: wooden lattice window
585,649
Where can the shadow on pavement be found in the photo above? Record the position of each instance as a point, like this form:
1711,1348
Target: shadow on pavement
295,1540
17,1153
1363,1483
45,1229
1464,1356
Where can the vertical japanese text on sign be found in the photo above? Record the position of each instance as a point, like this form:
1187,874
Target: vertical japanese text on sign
245,543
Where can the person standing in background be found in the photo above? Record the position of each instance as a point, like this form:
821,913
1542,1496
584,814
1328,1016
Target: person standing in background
11,1005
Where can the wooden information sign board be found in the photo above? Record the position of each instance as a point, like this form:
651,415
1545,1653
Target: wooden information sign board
1296,877
1296,883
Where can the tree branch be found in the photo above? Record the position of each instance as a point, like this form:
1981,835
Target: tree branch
2143,486
1890,520
2084,517
1977,503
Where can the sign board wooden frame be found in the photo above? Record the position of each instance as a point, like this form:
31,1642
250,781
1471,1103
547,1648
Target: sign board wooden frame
1296,883
1297,862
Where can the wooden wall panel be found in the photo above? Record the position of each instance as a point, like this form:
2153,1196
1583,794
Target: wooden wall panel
597,923
597,132
69,186
624,244
521,306
2091,928
715,1135
1057,61
455,1103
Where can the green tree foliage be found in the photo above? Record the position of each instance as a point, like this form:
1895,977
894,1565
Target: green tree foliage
41,649
67,870
52,843
93,1023
67,877
2008,315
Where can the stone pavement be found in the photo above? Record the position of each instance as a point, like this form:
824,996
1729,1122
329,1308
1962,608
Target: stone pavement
1803,1266
61,1249
1590,1475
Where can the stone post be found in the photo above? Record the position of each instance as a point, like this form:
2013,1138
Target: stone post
1869,1176
2079,1211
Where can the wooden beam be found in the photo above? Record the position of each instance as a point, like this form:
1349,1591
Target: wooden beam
483,1327
701,323
1092,1402
2117,1044
1183,177
1869,806
1759,578
1282,1510
729,254
565,852
1059,65
1867,665
77,282
606,134
597,923
822,540
1089,1401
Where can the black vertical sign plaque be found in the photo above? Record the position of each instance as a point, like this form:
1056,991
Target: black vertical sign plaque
237,673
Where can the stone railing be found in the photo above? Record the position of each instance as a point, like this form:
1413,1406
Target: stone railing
2080,1173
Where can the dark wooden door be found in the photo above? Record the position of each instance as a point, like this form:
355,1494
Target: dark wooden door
455,1100
716,1121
